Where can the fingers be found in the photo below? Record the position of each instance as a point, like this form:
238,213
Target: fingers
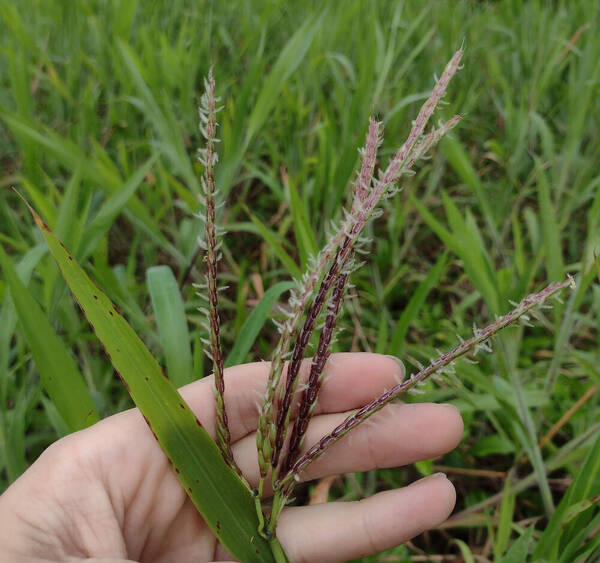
341,531
397,435
351,380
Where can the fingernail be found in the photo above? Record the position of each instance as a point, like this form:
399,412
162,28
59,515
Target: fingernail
399,362
433,475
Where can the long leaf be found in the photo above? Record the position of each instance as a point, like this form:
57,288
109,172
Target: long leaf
305,236
8,316
277,249
550,228
114,204
69,154
585,485
459,160
58,371
473,252
459,242
415,304
254,323
172,324
288,61
505,521
171,139
519,550
219,495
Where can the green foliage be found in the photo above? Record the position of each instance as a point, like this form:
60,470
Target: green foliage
58,371
255,322
98,127
170,318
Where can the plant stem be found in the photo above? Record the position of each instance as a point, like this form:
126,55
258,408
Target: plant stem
278,553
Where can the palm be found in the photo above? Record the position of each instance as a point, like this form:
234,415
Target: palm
108,492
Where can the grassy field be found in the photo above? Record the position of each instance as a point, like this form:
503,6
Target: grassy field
98,130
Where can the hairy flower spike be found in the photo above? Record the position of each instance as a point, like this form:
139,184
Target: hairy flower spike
340,246
315,379
420,122
363,210
267,432
208,158
444,360
369,156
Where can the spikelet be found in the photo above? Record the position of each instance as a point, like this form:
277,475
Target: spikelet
267,432
340,267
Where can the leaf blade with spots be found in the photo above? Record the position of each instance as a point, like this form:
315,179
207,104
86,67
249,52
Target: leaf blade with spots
220,496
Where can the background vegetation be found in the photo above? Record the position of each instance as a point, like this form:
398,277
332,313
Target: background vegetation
98,129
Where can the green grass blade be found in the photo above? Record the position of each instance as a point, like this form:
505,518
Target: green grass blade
579,507
171,139
525,431
568,552
578,549
507,508
8,318
461,241
66,220
473,252
436,226
519,550
550,229
68,154
63,150
417,300
58,371
290,57
111,208
171,321
219,495
275,246
459,160
251,328
305,236
13,421
14,442
585,486
465,551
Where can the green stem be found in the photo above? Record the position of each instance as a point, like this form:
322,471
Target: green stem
259,513
278,553
277,506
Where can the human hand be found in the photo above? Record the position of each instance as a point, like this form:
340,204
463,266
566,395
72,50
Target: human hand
107,493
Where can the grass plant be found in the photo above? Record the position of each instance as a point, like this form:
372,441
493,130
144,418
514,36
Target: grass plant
99,131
